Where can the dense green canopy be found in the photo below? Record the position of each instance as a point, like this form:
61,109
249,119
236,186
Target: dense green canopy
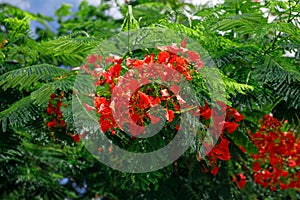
255,45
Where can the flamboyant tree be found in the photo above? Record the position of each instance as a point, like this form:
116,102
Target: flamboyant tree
257,154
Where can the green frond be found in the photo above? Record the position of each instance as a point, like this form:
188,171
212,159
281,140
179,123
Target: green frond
8,66
244,24
77,33
150,12
291,30
240,138
258,98
41,95
232,87
233,53
284,111
19,113
179,28
129,21
217,81
282,78
9,141
25,77
16,160
191,194
68,50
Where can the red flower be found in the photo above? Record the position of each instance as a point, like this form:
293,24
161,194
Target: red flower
183,43
274,160
92,59
49,108
85,68
230,126
214,170
98,101
283,186
52,96
193,56
62,123
206,112
170,115
105,125
59,104
145,99
135,63
76,137
136,130
174,49
115,70
220,151
292,163
242,149
163,57
154,119
280,151
256,166
154,101
52,124
150,58
237,116
240,179
175,89
88,107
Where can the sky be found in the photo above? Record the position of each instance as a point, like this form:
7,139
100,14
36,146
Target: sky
48,8
45,6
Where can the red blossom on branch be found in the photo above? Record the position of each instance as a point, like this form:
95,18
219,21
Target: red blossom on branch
141,101
240,179
278,153
56,120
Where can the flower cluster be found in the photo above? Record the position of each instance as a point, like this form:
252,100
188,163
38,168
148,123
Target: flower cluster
276,165
53,110
120,94
56,120
138,96
221,150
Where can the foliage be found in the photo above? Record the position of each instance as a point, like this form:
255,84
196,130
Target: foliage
41,156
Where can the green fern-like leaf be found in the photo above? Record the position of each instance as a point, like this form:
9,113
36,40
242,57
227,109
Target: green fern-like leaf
68,50
151,12
282,78
181,29
232,87
25,77
129,22
245,24
19,113
41,95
